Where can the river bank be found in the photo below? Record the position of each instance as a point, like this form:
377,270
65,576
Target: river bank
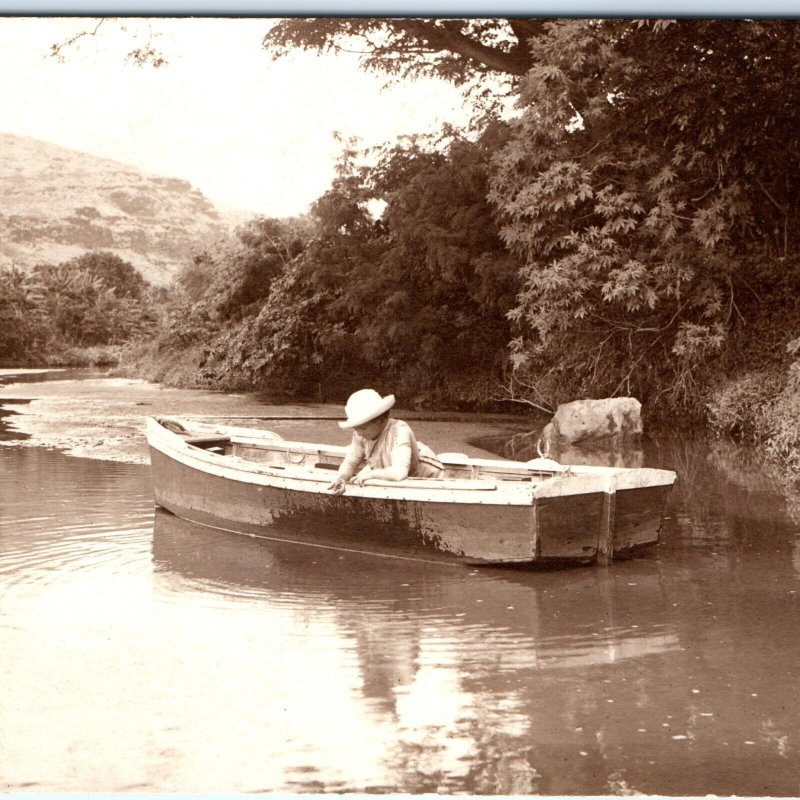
95,415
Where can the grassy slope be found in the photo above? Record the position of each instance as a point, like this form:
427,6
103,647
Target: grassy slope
57,203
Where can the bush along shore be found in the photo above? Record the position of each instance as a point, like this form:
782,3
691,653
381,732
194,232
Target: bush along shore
627,233
78,313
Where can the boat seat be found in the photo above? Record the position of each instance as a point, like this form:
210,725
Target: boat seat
453,458
206,442
326,465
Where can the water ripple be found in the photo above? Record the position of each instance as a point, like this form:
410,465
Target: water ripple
60,517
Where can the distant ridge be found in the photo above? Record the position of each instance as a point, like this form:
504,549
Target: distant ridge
57,203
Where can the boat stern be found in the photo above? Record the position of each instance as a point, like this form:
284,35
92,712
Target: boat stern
595,515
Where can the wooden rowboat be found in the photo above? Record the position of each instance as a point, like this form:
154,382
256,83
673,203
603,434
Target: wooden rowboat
484,511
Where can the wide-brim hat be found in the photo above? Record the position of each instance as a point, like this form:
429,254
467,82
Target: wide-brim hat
363,406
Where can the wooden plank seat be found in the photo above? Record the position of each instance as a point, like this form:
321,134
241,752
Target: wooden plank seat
207,442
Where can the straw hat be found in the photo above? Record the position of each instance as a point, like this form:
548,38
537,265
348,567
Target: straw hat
364,405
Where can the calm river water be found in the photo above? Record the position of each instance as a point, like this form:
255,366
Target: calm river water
139,653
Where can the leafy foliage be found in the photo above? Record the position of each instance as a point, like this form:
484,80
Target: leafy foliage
645,189
85,304
432,316
633,230
240,274
417,295
740,407
112,272
215,298
95,299
458,50
484,57
22,328
227,283
765,406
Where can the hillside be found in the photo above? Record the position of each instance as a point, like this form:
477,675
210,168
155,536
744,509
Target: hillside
57,203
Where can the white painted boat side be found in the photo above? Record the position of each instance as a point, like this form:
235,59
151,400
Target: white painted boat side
643,478
573,480
566,484
315,481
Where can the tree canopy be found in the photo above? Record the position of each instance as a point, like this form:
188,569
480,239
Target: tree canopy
645,191
94,299
417,295
458,50
649,185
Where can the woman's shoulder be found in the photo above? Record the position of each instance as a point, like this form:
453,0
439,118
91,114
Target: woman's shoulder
401,430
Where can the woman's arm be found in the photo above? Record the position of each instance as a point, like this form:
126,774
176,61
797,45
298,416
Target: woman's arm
353,458
397,471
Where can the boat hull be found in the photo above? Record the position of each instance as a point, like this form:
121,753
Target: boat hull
249,482
424,529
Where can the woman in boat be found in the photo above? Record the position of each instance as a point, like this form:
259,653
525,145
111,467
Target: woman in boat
382,448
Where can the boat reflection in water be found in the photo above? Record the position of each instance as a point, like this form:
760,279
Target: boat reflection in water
473,677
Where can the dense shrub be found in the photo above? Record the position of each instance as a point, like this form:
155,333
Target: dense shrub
780,419
781,428
633,230
23,327
413,298
645,188
740,407
203,338
92,301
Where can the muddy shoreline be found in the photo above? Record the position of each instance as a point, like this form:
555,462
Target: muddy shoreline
91,414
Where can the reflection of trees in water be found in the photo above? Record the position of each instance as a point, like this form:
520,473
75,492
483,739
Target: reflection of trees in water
387,653
508,770
796,556
758,478
733,556
726,492
716,477
462,670
498,681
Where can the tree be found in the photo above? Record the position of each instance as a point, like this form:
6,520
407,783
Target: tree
296,338
458,50
22,328
144,52
216,297
463,51
95,299
417,296
231,276
112,272
642,218
433,313
645,187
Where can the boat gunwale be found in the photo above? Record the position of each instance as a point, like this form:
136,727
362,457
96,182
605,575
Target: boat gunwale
306,479
259,437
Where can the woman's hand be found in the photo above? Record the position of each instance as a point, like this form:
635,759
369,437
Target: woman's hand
363,476
337,485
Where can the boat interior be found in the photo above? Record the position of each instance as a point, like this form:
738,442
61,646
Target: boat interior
279,453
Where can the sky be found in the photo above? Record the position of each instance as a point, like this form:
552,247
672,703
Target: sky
250,133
